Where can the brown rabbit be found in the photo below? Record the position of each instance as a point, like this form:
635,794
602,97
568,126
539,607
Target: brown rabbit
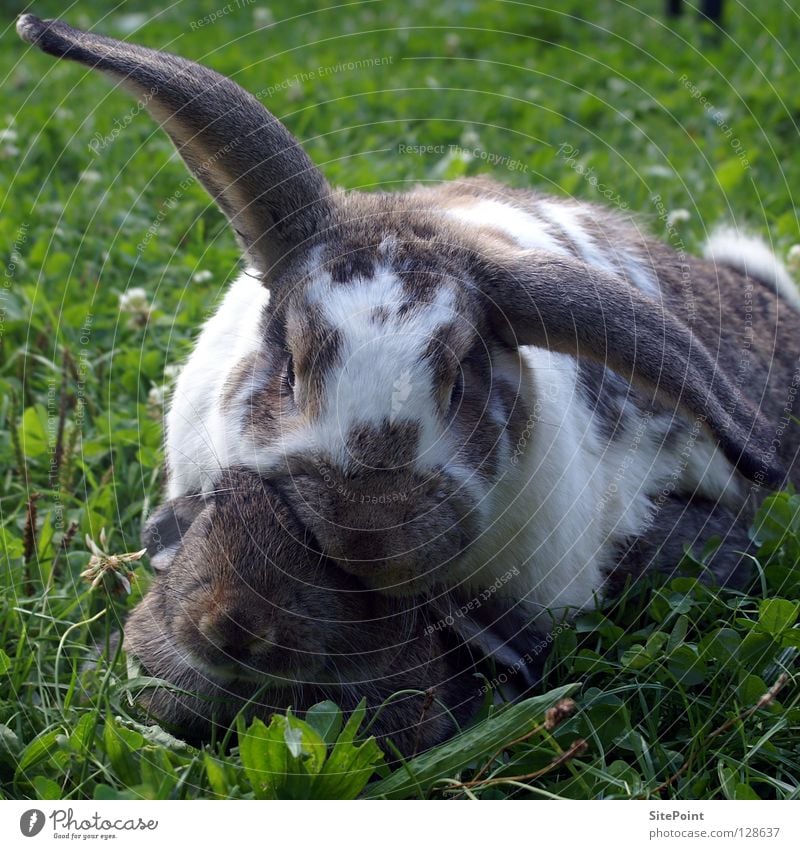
244,606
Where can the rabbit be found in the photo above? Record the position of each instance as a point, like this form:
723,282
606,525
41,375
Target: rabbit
463,377
243,607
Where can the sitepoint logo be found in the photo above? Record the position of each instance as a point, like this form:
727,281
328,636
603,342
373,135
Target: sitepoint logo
31,822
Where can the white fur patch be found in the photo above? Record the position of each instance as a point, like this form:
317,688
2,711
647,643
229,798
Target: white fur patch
382,374
641,276
571,496
529,229
200,439
569,220
751,255
615,259
524,228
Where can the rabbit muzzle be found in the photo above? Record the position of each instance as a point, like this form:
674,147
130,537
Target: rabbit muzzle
253,641
395,532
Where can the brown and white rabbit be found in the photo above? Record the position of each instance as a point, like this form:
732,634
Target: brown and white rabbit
243,607
462,378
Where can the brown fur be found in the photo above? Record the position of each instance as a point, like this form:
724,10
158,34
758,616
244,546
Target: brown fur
247,599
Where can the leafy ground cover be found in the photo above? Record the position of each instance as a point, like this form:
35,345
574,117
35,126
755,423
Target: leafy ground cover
112,257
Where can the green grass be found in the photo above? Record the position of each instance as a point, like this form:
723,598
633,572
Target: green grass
667,681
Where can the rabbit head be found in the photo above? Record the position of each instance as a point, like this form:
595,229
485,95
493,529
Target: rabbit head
244,607
387,391
249,596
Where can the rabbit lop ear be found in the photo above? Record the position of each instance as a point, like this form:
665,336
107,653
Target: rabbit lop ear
537,298
163,532
273,195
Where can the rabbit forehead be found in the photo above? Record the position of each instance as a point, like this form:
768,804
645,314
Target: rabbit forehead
382,312
384,374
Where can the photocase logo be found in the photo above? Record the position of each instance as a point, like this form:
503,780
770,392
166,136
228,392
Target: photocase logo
65,825
401,389
31,822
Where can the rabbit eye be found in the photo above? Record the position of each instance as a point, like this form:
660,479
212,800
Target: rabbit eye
288,374
456,392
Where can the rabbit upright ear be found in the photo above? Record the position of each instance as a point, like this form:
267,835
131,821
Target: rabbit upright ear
264,182
537,298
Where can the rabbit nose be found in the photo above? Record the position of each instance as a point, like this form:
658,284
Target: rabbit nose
233,635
